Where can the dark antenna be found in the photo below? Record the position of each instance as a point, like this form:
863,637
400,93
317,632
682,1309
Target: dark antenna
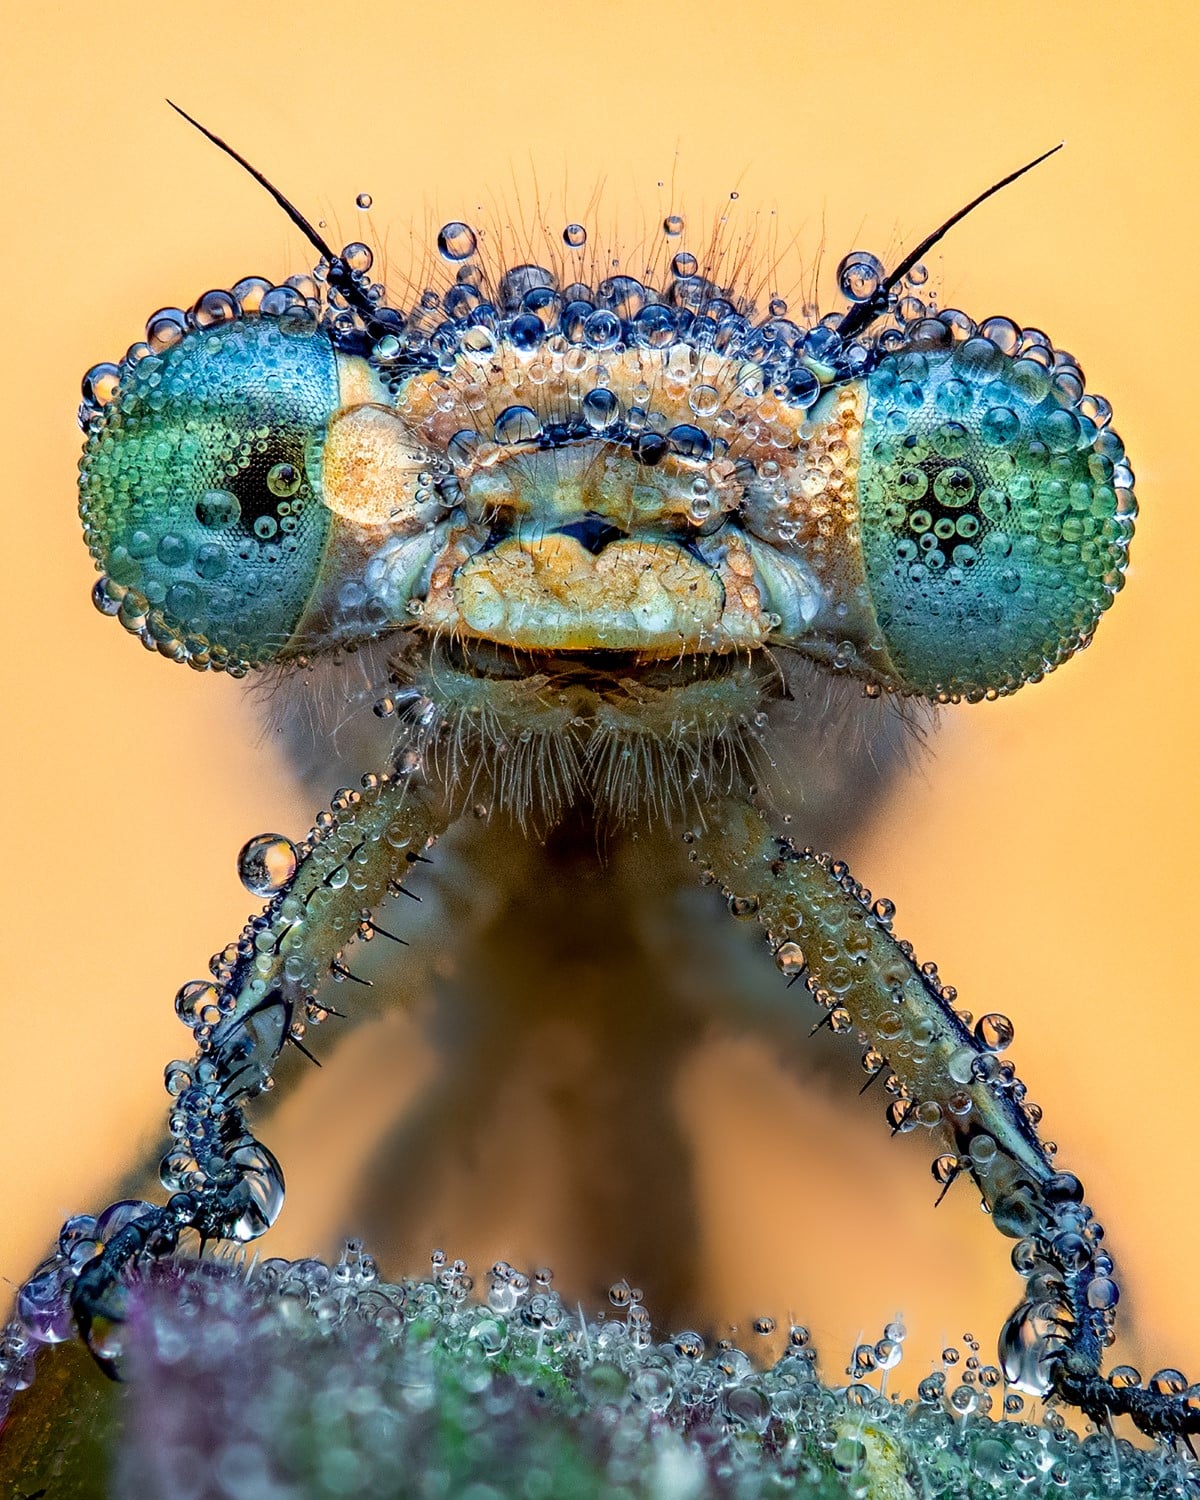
378,320
865,313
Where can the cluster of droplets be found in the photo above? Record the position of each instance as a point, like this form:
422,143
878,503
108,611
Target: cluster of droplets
327,1372
528,305
997,505
299,303
674,300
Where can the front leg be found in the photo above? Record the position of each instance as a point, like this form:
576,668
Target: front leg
264,994
947,1078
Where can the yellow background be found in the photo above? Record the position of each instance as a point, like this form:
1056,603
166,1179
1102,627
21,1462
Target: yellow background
1044,853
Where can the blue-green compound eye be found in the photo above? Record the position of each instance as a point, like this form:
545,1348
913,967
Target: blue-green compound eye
200,488
995,517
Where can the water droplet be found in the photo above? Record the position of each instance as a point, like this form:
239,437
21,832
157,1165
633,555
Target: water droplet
888,1353
860,275
994,1031
266,863
684,264
1167,1382
491,1335
602,329
214,308
516,424
100,384
673,225
456,240
789,959
283,480
217,509
198,1003
117,1215
363,200
165,328
358,257
601,409
849,1454
704,400
1103,1293
254,1204
526,332
44,1307
575,235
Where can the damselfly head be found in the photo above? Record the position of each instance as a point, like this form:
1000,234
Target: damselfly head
642,469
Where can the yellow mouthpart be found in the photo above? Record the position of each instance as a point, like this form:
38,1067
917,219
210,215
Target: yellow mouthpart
547,592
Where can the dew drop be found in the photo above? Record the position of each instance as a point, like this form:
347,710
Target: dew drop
860,275
253,1204
283,480
575,235
673,225
1167,1382
456,241
601,409
516,424
266,863
704,400
214,308
197,1003
44,1307
100,384
363,200
994,1031
358,257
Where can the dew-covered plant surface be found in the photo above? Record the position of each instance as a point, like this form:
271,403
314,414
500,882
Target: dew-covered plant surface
280,1379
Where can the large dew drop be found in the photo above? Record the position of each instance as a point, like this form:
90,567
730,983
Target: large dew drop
266,864
456,241
860,275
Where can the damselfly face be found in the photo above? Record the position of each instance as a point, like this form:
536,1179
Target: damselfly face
581,507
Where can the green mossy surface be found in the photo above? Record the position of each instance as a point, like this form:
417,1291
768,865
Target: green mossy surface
310,1382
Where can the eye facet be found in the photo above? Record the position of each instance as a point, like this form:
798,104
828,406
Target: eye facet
995,518
201,492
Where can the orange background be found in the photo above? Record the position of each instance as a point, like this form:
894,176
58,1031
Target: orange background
1045,852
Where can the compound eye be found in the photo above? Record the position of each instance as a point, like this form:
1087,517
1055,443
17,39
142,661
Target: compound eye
200,488
995,513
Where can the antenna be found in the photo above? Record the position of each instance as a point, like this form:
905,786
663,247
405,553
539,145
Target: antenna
865,313
378,320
